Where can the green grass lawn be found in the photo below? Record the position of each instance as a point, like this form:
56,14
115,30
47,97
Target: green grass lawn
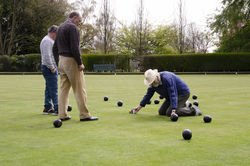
120,139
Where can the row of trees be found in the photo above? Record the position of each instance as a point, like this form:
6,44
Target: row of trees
108,35
232,25
25,22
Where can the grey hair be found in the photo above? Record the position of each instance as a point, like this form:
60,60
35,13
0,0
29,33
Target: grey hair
52,29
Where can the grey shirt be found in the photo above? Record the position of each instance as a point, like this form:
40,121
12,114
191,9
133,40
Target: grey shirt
46,46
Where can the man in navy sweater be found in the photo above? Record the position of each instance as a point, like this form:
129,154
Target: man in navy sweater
67,55
175,91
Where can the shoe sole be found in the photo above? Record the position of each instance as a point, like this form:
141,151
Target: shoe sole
82,120
65,119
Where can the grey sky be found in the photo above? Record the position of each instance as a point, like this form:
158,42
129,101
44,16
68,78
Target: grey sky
164,11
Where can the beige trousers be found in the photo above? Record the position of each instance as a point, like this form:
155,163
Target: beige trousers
71,76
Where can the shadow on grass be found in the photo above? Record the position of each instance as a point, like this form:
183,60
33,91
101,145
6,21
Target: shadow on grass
44,122
147,117
186,141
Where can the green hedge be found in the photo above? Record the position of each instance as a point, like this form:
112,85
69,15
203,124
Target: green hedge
176,63
20,63
32,62
211,62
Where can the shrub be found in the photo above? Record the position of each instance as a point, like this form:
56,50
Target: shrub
198,62
5,63
32,62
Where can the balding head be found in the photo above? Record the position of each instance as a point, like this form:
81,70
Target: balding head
73,14
75,18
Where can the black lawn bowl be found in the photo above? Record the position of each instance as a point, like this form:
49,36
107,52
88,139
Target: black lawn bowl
196,103
187,134
149,102
174,117
194,97
69,108
57,123
207,119
161,97
156,101
119,103
106,98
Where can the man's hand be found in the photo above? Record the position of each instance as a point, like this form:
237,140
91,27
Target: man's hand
173,111
53,71
81,67
137,109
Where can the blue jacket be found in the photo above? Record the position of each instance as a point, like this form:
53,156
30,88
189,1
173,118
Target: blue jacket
171,87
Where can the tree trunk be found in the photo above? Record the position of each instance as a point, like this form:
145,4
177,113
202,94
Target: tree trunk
181,27
105,25
1,41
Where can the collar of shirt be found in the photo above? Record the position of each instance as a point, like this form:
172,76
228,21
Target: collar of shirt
160,82
47,36
69,21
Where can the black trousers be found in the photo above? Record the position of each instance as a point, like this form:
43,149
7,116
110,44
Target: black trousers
182,110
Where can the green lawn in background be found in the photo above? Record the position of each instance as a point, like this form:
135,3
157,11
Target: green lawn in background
28,138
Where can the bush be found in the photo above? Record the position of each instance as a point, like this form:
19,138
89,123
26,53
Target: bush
17,63
5,63
198,62
20,63
32,62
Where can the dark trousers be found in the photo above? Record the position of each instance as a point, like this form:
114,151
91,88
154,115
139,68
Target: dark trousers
51,87
182,110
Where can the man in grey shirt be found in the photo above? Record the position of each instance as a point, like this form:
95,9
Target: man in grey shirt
49,71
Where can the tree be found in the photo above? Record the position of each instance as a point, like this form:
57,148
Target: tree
106,29
162,40
125,40
181,27
193,33
233,17
197,41
9,11
237,42
142,28
25,22
87,30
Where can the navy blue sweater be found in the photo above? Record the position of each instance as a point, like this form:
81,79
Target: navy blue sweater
67,42
171,87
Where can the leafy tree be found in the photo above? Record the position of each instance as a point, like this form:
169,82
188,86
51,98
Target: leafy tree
9,14
163,40
25,22
125,40
230,24
237,42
